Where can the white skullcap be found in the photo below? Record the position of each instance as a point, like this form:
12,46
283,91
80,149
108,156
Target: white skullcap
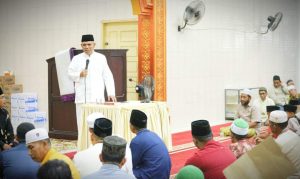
92,117
278,117
36,135
239,127
291,87
246,91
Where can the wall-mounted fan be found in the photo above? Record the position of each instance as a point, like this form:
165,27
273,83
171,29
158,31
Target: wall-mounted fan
146,88
273,22
193,13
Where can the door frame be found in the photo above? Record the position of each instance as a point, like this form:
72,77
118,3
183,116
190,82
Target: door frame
104,22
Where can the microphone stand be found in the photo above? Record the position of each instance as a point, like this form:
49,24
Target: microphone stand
85,90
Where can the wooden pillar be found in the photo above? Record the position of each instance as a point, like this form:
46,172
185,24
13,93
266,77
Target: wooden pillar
152,43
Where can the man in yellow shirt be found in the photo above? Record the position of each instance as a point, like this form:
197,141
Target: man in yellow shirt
39,147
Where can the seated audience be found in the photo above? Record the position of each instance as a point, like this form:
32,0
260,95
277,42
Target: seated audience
287,139
295,103
278,92
240,144
54,169
262,102
248,112
293,94
211,157
190,172
290,82
113,158
16,163
87,161
150,157
39,146
265,130
293,120
90,123
7,132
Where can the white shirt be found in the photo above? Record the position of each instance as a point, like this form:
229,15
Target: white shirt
261,105
99,76
290,146
88,161
279,95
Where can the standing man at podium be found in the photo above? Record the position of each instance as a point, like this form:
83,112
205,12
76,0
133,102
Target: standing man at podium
90,72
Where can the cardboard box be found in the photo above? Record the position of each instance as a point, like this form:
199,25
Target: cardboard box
40,120
9,89
14,112
14,101
27,100
7,98
8,80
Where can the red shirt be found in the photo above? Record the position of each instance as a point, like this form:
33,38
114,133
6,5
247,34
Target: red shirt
212,159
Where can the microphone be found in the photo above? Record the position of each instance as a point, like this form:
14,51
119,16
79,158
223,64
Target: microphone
131,80
87,63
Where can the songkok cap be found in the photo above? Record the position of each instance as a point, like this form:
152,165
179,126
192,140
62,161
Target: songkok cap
36,135
276,77
1,92
201,128
92,117
246,91
291,87
290,108
294,102
114,146
138,118
272,108
87,37
190,172
22,129
262,89
103,127
239,127
278,117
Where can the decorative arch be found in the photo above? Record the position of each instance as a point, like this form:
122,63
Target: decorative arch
152,43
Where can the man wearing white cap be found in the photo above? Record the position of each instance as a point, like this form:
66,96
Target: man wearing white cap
239,131
287,140
293,94
248,112
39,148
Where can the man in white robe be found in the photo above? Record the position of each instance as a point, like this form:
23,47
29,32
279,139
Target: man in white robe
91,74
288,141
262,102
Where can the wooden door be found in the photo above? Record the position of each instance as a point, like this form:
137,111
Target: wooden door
124,35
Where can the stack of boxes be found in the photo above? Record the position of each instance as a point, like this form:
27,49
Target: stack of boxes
7,83
22,107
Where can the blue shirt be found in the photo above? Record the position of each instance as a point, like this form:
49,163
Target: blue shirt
109,171
150,157
16,163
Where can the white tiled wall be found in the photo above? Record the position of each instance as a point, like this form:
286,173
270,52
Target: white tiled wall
224,51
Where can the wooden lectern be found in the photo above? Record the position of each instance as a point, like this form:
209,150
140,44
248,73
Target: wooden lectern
62,115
